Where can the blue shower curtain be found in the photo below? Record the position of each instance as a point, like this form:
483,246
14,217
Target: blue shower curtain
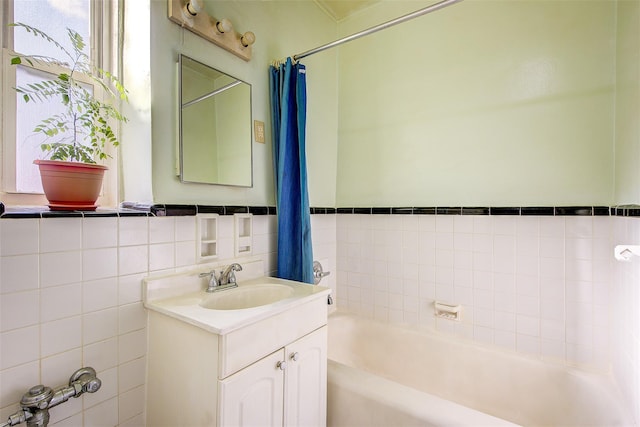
288,119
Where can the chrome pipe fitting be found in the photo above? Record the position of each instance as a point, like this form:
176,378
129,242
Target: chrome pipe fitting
37,401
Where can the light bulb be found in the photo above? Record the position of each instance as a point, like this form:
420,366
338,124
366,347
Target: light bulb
224,26
194,7
248,39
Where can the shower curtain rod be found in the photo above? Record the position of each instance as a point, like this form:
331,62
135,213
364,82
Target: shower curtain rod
400,20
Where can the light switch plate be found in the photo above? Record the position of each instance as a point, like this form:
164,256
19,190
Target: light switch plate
258,130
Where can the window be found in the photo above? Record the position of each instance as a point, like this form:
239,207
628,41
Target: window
20,145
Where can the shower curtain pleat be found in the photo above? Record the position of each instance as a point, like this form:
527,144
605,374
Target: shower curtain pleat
288,120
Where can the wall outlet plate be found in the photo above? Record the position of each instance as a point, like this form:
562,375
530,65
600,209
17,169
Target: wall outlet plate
258,131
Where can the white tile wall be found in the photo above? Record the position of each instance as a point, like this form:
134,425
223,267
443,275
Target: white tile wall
323,238
625,315
264,240
533,285
71,296
546,287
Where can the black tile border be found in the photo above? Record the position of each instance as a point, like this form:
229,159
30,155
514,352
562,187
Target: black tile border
210,209
401,211
191,210
318,211
173,210
537,210
424,211
381,211
475,211
362,211
449,211
574,211
137,209
259,210
230,210
343,211
501,210
601,211
628,210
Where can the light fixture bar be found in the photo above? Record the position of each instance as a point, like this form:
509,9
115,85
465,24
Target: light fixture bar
190,15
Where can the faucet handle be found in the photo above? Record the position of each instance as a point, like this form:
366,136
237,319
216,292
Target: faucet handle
213,280
231,278
209,274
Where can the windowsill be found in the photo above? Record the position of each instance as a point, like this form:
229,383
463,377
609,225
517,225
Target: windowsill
45,212
132,209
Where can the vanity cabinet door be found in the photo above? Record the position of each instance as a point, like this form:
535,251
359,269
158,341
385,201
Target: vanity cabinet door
272,393
306,381
254,396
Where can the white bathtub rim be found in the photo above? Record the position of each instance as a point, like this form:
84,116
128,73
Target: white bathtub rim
421,405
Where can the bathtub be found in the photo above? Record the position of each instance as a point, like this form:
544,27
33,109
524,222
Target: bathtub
386,375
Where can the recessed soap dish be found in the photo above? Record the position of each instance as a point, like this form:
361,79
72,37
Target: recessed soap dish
243,234
448,311
207,246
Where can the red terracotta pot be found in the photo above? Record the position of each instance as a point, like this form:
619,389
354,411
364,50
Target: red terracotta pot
71,186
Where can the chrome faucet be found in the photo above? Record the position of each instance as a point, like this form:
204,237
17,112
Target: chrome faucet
228,276
213,281
226,280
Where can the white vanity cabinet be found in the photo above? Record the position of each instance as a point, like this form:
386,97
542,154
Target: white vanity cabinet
255,395
198,375
306,381
288,387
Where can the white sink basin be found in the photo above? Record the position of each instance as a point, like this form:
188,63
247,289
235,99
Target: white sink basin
182,295
248,296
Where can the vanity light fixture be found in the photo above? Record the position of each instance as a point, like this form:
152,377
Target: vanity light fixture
191,9
191,15
224,26
248,39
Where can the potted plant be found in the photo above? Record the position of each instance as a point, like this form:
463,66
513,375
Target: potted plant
77,138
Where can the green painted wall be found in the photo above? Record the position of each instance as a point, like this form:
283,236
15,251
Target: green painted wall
628,103
487,102
282,28
232,133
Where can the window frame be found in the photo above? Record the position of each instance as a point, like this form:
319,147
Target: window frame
104,30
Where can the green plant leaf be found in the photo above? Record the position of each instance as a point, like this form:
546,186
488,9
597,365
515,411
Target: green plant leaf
83,130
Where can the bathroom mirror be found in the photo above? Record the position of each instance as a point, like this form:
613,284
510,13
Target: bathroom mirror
214,125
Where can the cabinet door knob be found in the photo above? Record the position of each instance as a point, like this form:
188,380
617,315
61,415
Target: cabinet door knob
282,365
295,356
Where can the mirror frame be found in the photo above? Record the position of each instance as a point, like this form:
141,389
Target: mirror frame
180,103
